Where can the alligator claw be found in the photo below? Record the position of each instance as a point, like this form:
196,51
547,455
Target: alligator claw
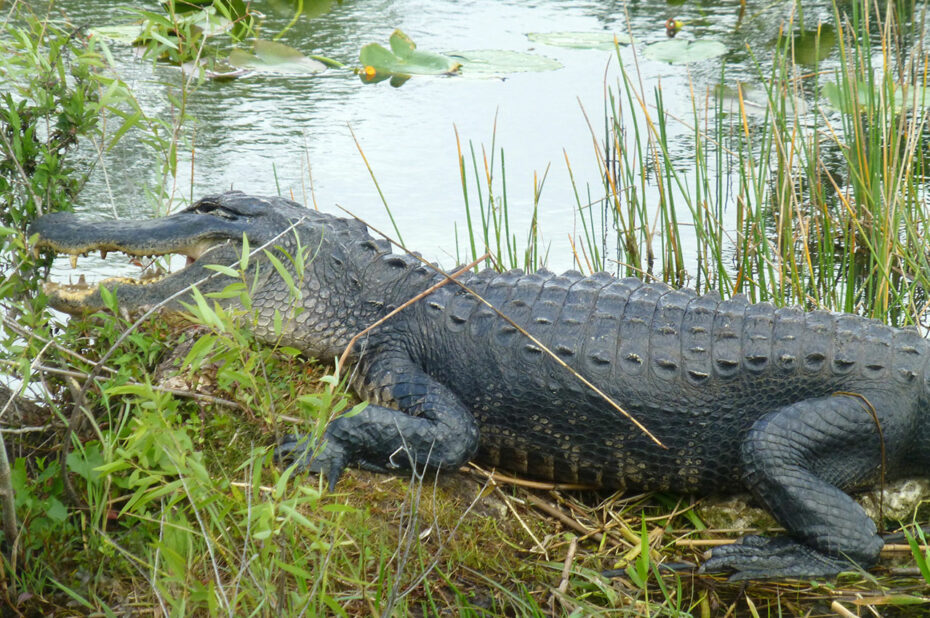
757,557
331,461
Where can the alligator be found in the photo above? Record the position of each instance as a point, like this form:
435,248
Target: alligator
534,372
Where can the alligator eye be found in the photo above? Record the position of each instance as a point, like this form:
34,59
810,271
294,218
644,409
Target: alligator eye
226,213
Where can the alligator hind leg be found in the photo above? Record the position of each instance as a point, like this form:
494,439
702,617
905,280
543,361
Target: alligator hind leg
432,428
794,462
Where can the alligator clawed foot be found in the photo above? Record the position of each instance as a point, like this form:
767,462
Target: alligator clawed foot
299,450
757,557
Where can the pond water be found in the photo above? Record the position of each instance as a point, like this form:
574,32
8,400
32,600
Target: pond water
293,135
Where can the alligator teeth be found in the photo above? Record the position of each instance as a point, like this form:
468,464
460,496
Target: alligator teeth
74,260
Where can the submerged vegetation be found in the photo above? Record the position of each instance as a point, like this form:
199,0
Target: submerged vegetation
139,466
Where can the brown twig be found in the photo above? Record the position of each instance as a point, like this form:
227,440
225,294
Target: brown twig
888,550
567,565
7,495
841,611
512,480
161,389
556,512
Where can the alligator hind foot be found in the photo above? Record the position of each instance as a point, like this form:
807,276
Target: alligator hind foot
757,557
795,462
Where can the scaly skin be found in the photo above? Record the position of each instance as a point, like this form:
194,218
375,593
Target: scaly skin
784,403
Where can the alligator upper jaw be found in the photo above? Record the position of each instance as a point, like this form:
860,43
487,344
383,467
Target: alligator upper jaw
186,233
190,234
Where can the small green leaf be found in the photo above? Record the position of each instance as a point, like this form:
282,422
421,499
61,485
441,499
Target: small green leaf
124,33
201,348
129,123
284,273
55,510
204,312
338,508
113,466
85,464
356,409
294,514
139,390
280,487
226,270
401,44
295,570
109,299
329,62
244,258
234,289
919,557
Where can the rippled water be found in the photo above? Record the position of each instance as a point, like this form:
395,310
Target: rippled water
266,134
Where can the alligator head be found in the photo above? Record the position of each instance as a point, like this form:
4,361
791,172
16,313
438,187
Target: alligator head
325,313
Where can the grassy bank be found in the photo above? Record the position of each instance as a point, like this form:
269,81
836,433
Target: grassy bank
139,458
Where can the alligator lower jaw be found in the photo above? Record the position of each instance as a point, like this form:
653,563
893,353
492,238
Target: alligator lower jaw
76,293
79,298
83,298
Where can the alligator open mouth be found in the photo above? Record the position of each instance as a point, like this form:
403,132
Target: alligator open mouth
189,233
150,271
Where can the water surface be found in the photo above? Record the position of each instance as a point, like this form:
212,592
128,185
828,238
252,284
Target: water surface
293,135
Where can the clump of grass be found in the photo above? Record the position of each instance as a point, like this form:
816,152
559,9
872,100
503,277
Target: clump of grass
492,231
822,208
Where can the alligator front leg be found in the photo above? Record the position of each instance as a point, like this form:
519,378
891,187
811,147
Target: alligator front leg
794,462
432,428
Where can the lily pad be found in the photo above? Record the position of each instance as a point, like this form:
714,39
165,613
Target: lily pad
812,46
494,62
403,59
308,8
901,99
682,51
274,57
753,100
580,40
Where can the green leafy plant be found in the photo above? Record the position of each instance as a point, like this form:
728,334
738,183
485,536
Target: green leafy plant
179,35
402,61
919,550
56,102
